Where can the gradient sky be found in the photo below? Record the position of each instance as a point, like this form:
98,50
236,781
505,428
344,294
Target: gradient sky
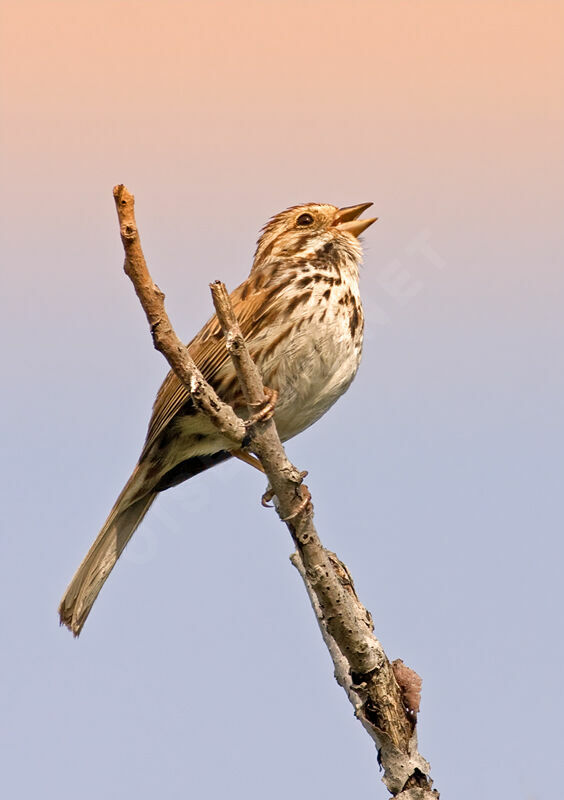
438,479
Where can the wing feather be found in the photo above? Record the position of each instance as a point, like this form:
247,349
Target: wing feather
207,348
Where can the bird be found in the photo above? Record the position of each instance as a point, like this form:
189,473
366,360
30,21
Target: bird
301,315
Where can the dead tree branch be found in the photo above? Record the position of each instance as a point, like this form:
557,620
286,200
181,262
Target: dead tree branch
361,666
165,339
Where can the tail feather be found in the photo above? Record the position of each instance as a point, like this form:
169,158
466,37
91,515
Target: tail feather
123,520
89,578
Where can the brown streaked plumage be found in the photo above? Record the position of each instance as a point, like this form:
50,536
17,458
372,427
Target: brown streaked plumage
301,315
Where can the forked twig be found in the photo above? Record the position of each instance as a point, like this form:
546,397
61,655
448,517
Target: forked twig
361,665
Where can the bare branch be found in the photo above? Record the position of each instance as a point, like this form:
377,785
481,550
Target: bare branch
165,339
361,666
404,771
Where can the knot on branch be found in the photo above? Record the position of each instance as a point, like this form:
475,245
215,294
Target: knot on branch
195,386
316,573
160,331
234,342
368,660
419,787
156,330
128,231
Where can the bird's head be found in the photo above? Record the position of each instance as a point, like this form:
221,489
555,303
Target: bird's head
303,230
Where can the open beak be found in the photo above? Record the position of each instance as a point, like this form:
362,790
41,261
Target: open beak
346,219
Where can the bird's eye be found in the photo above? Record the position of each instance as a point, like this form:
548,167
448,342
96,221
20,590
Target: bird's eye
304,220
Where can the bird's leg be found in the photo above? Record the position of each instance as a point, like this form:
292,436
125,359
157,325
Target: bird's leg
248,459
265,410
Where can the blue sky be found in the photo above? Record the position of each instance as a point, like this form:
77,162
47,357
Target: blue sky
437,478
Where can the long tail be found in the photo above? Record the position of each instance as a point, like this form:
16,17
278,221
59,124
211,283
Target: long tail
89,578
124,519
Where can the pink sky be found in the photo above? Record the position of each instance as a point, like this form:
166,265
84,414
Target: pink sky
437,477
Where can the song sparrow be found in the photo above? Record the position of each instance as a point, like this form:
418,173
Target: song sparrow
300,313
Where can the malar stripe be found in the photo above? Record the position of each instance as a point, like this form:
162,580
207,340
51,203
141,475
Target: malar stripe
327,249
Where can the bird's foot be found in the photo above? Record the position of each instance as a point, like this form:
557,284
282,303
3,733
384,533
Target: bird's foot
265,410
304,494
305,501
